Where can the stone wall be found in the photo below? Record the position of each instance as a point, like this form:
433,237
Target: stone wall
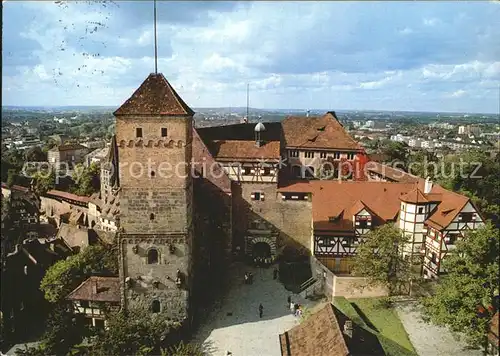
155,174
156,211
332,285
141,291
353,287
292,219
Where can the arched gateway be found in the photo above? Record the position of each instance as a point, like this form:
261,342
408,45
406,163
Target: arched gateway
261,247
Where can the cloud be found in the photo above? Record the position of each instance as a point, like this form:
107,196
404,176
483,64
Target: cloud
326,55
458,94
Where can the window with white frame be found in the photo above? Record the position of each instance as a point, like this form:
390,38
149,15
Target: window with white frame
294,153
309,154
322,155
257,196
350,156
336,155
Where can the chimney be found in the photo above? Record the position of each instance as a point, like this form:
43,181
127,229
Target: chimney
428,185
348,330
94,287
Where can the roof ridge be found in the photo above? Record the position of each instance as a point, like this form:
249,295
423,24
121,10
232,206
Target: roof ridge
176,96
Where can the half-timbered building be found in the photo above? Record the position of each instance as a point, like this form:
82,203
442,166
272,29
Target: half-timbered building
94,297
316,147
343,213
249,154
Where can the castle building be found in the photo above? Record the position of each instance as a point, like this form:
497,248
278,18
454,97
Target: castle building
154,129
183,200
343,213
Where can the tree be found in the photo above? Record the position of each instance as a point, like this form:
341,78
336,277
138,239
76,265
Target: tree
397,152
35,154
466,298
137,333
423,164
379,258
475,174
183,349
64,276
63,331
44,181
11,177
86,179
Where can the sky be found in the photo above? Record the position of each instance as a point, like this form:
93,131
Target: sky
408,56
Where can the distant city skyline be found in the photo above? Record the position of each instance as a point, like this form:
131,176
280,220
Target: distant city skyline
344,56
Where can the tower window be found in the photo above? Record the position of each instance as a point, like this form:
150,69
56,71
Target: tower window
151,216
138,132
155,306
153,256
163,132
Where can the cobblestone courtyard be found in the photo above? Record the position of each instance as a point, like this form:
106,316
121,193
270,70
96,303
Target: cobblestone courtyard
428,339
235,325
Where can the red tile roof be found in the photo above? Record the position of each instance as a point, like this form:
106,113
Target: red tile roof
324,132
98,289
390,173
15,187
381,199
155,96
449,207
414,196
342,199
318,335
68,196
244,150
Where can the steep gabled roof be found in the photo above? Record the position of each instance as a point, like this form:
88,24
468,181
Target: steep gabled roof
451,204
97,289
415,196
318,335
155,96
323,132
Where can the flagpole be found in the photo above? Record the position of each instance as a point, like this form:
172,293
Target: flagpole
156,42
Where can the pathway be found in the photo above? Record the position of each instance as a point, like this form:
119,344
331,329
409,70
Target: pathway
235,326
429,339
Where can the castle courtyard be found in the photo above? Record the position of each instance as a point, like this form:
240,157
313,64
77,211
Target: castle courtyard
234,324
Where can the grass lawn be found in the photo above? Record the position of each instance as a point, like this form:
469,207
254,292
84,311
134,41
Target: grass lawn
381,321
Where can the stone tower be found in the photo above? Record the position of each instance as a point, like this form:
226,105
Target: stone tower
154,135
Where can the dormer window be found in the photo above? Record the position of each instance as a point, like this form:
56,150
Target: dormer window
138,132
333,218
294,153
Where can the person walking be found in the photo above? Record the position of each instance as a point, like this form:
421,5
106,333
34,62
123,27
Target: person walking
275,274
261,310
288,300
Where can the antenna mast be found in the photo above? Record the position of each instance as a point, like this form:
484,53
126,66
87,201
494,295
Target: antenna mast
248,98
156,42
